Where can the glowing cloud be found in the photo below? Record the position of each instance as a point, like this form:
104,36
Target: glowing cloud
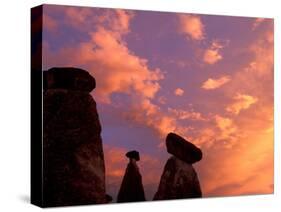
211,83
191,26
179,92
125,72
242,102
212,55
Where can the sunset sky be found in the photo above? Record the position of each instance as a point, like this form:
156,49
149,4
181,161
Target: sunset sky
207,78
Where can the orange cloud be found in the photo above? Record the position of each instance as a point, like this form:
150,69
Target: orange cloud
245,166
179,92
242,102
191,26
227,130
212,55
211,83
245,169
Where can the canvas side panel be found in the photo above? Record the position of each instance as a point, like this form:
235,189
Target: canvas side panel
36,106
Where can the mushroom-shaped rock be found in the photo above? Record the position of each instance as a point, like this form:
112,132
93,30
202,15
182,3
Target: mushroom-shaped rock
68,78
183,149
179,179
131,189
133,155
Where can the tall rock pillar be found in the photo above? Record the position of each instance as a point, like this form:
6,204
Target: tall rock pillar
73,160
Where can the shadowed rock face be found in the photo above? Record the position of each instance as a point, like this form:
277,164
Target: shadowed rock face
73,169
179,179
131,189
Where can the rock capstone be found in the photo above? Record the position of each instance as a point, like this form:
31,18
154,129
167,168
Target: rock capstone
68,78
183,149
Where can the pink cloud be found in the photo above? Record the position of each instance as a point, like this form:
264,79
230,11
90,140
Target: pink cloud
212,55
191,26
49,23
179,92
211,83
124,72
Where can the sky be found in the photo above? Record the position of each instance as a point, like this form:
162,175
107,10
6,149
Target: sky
207,78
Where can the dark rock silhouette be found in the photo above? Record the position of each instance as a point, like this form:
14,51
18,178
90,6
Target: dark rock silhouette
131,189
183,149
73,168
133,155
179,179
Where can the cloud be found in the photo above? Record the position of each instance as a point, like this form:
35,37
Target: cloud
257,23
246,166
124,72
227,129
191,26
245,169
162,100
49,23
212,55
242,102
211,83
179,92
186,115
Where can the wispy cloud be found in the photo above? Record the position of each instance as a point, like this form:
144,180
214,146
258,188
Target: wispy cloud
211,83
241,102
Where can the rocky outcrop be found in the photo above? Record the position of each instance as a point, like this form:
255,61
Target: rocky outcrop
179,179
73,167
131,189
